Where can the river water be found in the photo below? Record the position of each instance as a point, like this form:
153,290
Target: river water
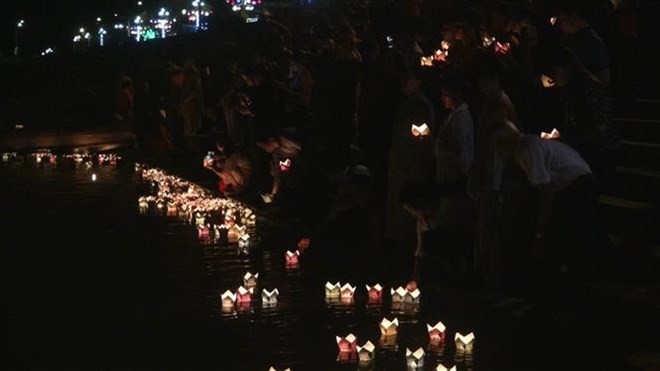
94,284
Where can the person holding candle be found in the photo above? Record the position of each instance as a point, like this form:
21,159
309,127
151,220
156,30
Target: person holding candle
232,166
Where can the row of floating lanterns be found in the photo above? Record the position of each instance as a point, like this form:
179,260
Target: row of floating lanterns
214,217
349,350
46,155
182,198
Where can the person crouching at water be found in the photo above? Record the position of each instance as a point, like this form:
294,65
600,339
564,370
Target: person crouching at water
233,167
444,235
565,223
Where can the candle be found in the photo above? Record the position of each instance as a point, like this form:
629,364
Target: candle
347,291
366,353
415,359
291,259
347,344
375,293
227,299
244,295
389,328
332,290
464,343
436,333
250,280
269,298
420,131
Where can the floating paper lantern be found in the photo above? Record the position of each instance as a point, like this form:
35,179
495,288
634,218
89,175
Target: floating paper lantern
233,234
502,48
547,81
252,220
436,333
332,290
347,291
426,61
273,369
285,165
412,296
554,134
347,344
244,295
228,299
443,368
269,298
398,295
143,203
203,231
172,209
420,131
375,293
389,328
488,41
250,280
464,343
199,219
291,258
244,240
415,359
366,353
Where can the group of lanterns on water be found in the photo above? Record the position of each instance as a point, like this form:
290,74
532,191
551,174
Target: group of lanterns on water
214,217
45,156
349,350
178,197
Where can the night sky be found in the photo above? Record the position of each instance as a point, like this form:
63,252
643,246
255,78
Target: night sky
50,23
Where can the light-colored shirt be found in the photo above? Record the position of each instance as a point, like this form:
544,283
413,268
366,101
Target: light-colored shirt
549,162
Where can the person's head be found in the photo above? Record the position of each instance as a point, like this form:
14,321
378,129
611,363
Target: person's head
488,80
269,143
284,68
448,31
452,91
560,67
410,82
568,21
418,198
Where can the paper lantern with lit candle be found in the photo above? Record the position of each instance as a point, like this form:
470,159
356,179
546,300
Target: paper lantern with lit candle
291,258
143,203
347,344
244,295
375,293
415,360
285,165
443,368
420,131
273,369
347,291
464,343
269,298
250,280
389,328
332,290
199,219
426,61
366,353
554,134
436,333
412,296
398,295
244,240
203,231
228,299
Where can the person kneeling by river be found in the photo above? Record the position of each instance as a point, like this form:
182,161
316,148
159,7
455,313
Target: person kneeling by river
233,167
444,232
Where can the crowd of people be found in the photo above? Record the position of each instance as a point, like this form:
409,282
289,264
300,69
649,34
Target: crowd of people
474,136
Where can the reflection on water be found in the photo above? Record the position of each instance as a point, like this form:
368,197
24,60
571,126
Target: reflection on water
192,288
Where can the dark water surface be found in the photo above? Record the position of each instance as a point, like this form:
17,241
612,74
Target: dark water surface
92,284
